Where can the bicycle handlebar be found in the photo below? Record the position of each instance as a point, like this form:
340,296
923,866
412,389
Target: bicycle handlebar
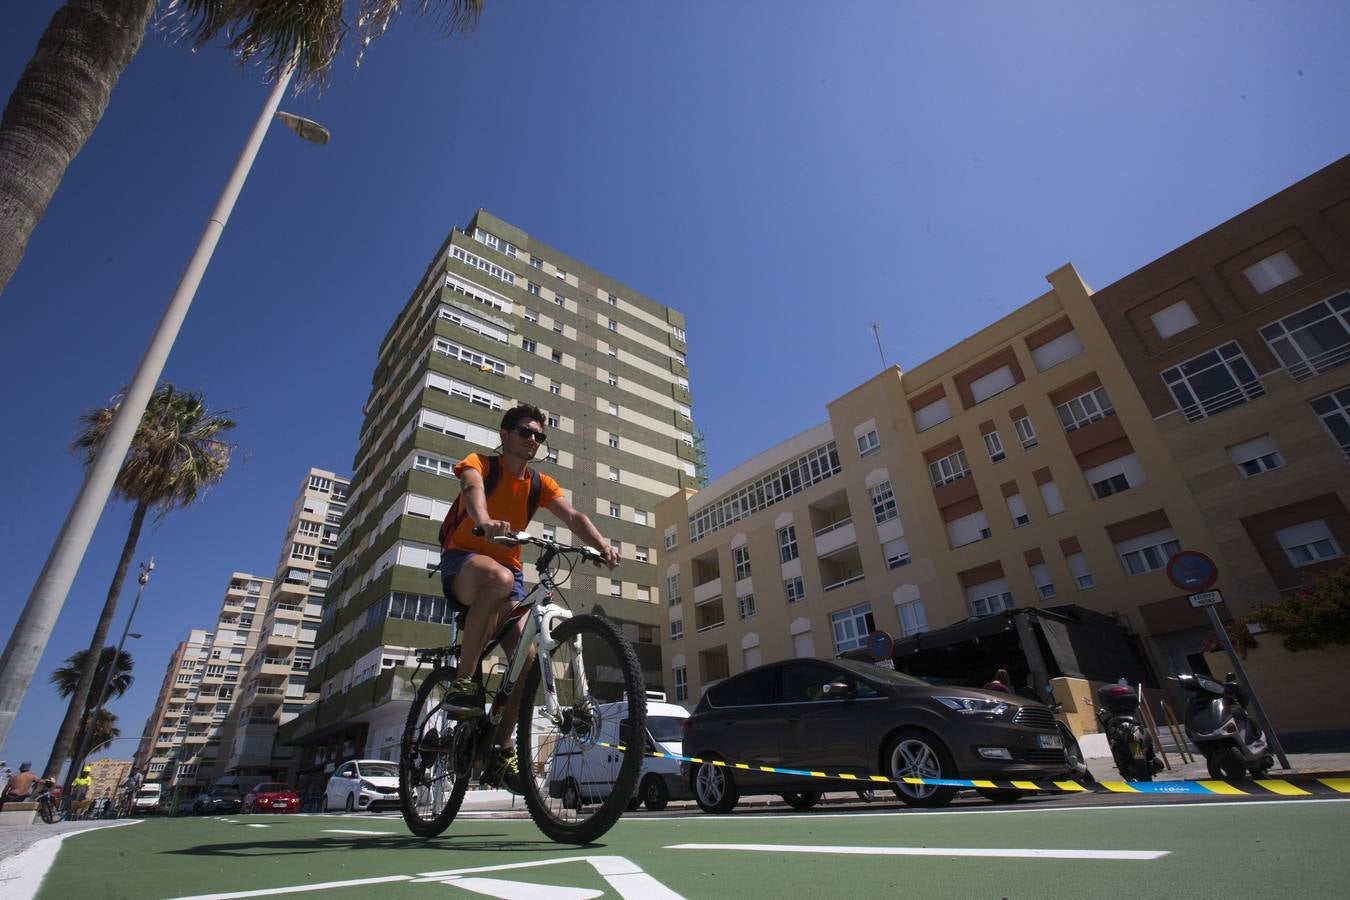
524,537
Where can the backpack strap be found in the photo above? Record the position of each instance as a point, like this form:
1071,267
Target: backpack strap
536,486
457,512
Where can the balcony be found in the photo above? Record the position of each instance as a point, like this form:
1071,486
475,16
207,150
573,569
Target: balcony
709,616
709,590
836,536
841,570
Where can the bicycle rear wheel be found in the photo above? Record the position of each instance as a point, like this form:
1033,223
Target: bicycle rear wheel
577,782
430,785
51,811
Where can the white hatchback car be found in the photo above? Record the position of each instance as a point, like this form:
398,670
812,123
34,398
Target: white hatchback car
362,784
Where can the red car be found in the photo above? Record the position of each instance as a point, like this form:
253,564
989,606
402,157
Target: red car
272,796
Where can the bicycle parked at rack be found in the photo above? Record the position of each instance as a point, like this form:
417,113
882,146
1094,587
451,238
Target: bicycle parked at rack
581,664
52,806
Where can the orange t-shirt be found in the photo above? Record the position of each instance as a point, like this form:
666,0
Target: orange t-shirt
508,501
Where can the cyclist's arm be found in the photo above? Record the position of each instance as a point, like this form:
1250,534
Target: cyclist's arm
581,526
475,504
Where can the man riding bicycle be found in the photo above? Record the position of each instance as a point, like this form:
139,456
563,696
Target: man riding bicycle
482,580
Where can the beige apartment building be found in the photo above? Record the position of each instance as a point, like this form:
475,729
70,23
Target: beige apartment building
199,690
272,685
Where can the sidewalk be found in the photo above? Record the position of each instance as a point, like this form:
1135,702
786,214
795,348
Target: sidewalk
1103,768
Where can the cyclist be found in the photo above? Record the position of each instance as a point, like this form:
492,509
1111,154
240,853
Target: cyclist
483,581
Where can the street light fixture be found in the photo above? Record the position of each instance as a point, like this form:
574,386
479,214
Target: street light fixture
34,628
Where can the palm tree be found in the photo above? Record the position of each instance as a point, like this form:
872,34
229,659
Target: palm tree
177,454
63,91
67,679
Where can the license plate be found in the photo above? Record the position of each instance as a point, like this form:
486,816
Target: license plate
1050,741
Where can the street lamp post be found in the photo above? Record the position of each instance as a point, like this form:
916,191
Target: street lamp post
77,760
34,627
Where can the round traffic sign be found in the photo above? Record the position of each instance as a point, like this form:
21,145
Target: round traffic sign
1192,571
879,645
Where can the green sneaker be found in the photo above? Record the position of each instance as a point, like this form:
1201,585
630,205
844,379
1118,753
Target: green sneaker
464,699
502,769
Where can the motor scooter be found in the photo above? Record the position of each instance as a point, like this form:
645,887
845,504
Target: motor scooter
1217,723
1131,743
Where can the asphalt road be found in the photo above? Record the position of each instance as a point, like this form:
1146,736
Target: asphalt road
1051,847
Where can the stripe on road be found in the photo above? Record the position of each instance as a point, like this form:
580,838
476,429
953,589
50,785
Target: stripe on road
352,831
1014,853
299,888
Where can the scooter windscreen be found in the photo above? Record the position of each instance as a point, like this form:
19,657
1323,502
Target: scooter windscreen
1207,717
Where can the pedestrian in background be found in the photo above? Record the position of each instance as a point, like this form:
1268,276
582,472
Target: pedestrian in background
1000,682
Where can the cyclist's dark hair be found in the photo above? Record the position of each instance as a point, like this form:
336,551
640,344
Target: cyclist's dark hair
525,412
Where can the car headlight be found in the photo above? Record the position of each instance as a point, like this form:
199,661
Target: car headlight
366,785
973,705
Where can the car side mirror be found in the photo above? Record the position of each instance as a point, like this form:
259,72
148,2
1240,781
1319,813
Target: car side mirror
836,690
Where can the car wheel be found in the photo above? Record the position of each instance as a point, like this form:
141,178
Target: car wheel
714,788
801,800
350,805
571,795
918,754
634,803
654,794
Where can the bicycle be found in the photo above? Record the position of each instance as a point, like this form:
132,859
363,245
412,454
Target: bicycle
582,663
52,806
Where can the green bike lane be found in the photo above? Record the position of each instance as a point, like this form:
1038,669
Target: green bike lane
1215,849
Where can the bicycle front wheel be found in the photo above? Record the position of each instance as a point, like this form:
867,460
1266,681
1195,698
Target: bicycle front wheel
579,772
51,811
430,785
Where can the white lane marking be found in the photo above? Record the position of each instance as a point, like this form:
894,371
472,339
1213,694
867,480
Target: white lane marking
299,888
352,831
252,825
22,874
518,890
623,875
1012,853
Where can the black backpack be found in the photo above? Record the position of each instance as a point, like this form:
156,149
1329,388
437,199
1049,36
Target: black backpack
457,512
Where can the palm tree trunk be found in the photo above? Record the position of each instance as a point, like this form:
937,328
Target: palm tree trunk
75,712
55,107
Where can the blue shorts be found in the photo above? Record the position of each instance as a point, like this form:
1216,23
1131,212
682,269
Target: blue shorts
451,562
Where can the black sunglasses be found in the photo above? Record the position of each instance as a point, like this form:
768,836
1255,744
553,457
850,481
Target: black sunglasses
530,433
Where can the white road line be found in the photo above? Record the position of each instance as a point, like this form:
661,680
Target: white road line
299,888
353,831
21,875
1033,853
253,825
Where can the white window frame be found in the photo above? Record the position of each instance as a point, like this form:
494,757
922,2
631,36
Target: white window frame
740,562
1017,510
1040,577
787,544
1078,567
673,596
1289,337
1088,407
1147,553
994,444
1256,456
850,627
794,589
1334,411
745,606
1308,543
1228,356
913,618
1174,319
868,444
677,628
952,467
1267,274
884,507
1058,350
992,384
679,676
1026,432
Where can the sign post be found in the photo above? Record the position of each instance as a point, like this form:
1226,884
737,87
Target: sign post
1196,572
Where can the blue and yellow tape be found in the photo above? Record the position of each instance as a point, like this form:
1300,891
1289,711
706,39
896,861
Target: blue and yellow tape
1297,786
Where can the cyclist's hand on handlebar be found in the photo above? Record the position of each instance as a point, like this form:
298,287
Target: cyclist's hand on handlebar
494,528
611,557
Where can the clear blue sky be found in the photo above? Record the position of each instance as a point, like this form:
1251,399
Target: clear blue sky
783,172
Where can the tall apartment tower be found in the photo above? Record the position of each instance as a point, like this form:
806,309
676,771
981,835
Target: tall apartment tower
200,688
272,687
498,319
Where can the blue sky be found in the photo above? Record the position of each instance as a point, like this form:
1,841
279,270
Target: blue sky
785,173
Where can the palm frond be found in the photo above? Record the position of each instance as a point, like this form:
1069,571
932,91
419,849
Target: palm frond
311,32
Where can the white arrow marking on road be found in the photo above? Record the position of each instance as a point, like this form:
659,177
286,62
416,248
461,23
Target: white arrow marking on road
623,875
931,851
520,890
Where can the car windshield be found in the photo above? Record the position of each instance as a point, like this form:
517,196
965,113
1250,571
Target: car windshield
877,673
378,770
274,787
665,728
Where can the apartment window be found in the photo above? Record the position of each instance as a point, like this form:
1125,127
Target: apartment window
1309,543
550,532
613,380
551,454
557,327
556,356
616,587
996,382
1148,553
681,679
555,389
614,510
1054,352
968,529
851,627
536,261
794,589
1212,382
1312,340
321,484
612,300
527,377
641,554
883,502
989,598
740,562
612,325
560,300
673,589
1078,567
745,606
532,288
1084,409
913,619
613,473
868,444
613,351
1271,272
1115,476
676,629
994,444
613,408
1334,411
640,516
1040,576
1112,485
302,551
614,442
1017,508
1256,456
560,273
672,538
677,331
1174,319
554,421
310,528
1026,433
949,468
529,346
787,544
1054,503
896,553
934,413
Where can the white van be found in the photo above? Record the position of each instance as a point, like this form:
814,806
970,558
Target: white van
147,798
587,773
